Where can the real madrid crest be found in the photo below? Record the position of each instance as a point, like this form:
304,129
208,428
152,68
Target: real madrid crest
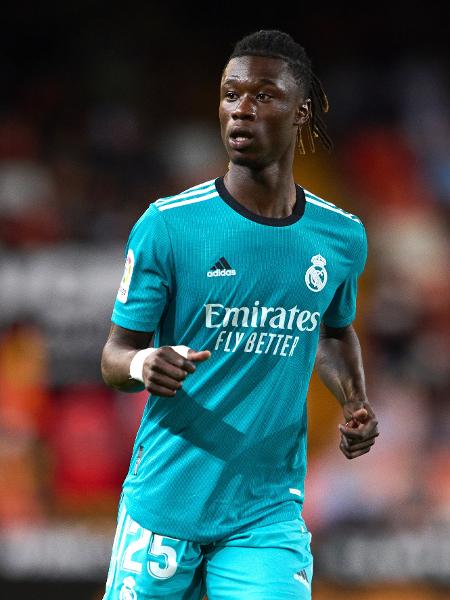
316,276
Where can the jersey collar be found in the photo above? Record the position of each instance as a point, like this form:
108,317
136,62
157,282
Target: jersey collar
297,213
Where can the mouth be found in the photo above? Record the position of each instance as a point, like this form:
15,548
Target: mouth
240,138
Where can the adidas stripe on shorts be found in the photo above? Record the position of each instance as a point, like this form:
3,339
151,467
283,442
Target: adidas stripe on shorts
271,562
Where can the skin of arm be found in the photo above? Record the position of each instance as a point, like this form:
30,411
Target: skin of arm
339,365
164,370
121,345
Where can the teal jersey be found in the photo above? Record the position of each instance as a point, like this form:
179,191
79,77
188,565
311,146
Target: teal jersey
229,450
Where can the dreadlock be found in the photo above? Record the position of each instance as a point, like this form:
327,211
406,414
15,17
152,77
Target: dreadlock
277,44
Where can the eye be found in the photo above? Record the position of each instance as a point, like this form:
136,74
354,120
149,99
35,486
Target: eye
230,95
263,97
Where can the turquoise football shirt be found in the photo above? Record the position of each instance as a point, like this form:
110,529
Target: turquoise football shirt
229,450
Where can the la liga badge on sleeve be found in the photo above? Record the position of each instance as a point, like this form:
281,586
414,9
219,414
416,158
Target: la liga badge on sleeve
122,294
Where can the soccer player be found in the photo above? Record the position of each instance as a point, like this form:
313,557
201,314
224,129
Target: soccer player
239,285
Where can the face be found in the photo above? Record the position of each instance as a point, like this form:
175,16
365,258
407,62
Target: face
261,107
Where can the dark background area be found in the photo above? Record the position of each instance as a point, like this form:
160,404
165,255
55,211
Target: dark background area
105,109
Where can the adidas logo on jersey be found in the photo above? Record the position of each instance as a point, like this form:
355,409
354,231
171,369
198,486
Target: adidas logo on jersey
302,576
221,269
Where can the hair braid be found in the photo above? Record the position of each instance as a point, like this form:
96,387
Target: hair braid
277,44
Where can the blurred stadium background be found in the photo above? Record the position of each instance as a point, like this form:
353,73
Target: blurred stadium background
103,110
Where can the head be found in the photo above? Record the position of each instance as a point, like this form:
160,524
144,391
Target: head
270,100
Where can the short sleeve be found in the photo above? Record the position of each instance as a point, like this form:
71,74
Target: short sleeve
147,283
342,309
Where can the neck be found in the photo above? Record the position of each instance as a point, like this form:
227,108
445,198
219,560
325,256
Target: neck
269,192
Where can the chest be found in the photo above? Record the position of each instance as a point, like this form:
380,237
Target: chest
270,266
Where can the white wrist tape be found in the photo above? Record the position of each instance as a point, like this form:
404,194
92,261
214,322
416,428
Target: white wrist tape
137,362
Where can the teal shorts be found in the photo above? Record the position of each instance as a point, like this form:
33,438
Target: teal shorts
271,562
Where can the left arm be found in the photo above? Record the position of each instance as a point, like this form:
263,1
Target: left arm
339,365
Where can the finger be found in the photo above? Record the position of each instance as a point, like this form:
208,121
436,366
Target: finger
360,416
200,356
158,390
166,368
359,446
355,447
352,454
163,381
352,440
363,432
358,412
168,354
352,423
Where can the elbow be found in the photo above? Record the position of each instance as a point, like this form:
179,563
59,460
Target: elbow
113,376
105,367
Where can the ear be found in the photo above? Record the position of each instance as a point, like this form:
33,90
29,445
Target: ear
303,112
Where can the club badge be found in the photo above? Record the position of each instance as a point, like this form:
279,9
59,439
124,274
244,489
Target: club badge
316,276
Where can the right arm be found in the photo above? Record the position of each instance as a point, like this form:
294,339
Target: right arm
164,370
144,293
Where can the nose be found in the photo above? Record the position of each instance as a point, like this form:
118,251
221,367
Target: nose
244,109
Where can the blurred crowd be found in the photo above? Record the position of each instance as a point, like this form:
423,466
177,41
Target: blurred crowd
74,176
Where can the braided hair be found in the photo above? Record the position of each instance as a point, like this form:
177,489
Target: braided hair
277,44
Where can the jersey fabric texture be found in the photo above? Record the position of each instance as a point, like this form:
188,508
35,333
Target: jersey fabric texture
229,450
272,561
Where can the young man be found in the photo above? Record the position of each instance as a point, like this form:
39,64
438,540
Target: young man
238,283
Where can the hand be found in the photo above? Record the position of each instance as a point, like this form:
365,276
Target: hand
165,370
360,430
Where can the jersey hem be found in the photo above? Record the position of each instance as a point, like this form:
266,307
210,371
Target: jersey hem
339,322
132,324
177,529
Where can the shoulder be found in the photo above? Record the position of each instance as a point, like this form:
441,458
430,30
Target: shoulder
340,224
157,220
157,210
191,198
328,210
